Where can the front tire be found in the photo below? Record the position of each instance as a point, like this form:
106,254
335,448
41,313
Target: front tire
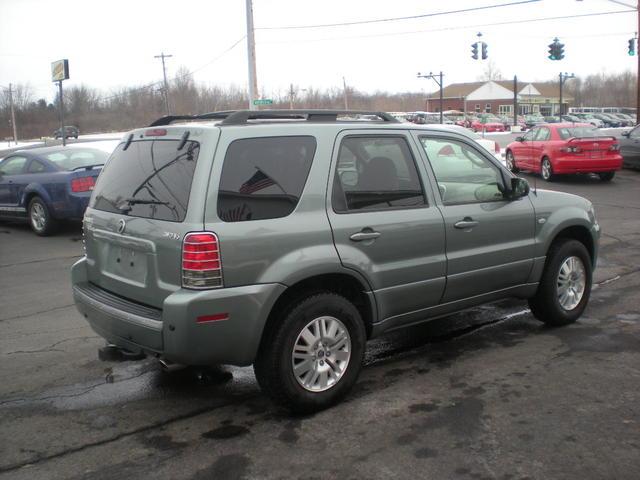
565,285
40,219
546,170
311,357
606,176
511,162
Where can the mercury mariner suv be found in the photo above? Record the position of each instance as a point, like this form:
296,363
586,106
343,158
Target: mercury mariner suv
286,239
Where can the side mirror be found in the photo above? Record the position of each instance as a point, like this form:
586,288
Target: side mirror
519,139
625,133
519,188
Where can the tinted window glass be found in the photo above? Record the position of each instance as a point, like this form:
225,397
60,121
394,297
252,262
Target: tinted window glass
13,165
375,173
529,135
70,159
36,167
264,177
151,179
462,173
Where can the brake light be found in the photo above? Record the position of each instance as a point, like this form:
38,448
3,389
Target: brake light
156,132
614,148
83,184
571,149
201,263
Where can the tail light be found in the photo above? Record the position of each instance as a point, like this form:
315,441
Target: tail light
571,149
83,184
496,147
614,148
201,264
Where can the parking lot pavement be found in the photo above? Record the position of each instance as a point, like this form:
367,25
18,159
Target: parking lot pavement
488,393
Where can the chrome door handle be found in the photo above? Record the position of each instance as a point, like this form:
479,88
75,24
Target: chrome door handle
360,236
466,223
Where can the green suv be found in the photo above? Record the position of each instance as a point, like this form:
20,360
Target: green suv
286,239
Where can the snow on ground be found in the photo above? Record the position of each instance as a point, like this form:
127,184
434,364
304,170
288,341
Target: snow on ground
104,136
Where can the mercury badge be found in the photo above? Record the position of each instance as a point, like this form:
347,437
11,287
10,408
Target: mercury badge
121,225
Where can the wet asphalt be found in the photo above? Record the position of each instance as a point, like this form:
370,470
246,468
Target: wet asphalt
485,394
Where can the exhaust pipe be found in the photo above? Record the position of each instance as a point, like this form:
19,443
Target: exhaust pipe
169,367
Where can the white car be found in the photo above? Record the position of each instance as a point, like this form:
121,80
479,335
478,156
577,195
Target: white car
489,145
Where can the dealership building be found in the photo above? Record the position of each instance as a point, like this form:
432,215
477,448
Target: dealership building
496,96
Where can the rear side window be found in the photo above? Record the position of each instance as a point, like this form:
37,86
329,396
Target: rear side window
376,173
264,177
150,179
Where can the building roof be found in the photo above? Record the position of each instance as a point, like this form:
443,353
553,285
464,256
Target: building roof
461,90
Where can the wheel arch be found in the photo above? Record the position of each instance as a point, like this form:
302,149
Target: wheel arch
579,233
345,284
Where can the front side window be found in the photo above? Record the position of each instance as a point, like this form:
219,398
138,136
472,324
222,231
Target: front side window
264,177
462,173
376,172
13,165
530,135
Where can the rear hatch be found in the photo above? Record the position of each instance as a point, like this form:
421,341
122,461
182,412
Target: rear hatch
149,195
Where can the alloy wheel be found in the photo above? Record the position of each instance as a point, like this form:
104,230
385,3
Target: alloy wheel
571,282
38,217
321,354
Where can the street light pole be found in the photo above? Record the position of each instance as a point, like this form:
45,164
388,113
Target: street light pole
62,131
439,83
563,78
13,115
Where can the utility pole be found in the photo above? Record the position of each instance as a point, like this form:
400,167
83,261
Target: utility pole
638,74
13,115
439,82
292,94
166,85
346,99
251,56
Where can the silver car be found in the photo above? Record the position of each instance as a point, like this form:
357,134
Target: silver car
287,239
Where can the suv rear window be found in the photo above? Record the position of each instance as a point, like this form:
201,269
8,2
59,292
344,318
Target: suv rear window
264,177
150,179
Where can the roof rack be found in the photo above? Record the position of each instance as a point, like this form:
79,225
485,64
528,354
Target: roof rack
242,117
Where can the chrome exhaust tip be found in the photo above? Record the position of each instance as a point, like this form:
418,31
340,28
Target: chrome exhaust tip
168,366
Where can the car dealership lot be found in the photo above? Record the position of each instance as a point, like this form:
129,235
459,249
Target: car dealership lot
489,393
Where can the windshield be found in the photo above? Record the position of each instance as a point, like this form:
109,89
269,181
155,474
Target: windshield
578,132
77,158
150,179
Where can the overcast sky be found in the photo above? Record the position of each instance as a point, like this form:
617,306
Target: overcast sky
112,43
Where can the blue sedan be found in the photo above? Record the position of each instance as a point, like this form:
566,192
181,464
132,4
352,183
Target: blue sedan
46,185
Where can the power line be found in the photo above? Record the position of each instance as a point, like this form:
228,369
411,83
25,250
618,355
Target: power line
397,19
462,27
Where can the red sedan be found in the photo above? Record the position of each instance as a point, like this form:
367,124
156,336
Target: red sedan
554,149
491,124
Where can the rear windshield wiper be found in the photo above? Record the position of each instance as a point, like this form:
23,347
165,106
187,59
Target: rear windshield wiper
138,201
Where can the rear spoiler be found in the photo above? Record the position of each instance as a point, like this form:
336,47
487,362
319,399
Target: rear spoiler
88,167
593,139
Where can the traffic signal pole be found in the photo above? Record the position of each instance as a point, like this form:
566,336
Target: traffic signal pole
440,84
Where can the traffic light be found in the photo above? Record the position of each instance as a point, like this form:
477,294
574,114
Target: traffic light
556,50
632,47
474,51
484,51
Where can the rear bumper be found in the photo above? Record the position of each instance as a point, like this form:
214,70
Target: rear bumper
586,165
174,332
72,207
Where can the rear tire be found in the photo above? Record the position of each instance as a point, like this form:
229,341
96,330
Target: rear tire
327,363
511,162
565,285
546,170
40,219
606,176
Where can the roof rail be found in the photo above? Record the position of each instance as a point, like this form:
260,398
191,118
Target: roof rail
242,117
205,116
